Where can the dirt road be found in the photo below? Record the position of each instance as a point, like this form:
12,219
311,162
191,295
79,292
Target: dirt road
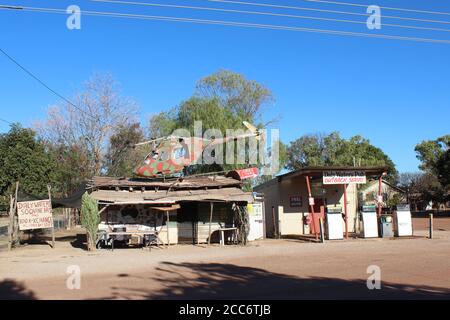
269,269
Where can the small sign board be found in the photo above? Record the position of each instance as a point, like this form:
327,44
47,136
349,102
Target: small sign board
35,215
344,177
296,201
248,173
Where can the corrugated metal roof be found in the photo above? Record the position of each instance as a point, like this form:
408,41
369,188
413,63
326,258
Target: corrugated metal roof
167,197
173,184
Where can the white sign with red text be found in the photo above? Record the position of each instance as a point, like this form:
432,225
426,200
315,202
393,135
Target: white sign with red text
344,177
35,215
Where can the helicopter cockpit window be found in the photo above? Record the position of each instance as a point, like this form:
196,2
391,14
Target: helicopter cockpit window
181,153
152,155
164,155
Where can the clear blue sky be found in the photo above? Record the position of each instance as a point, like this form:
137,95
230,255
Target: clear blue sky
393,92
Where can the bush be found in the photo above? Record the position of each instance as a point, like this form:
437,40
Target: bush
90,219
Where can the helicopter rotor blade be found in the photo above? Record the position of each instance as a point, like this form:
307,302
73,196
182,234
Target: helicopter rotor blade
252,129
159,139
148,142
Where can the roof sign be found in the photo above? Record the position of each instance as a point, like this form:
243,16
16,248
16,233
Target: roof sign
344,177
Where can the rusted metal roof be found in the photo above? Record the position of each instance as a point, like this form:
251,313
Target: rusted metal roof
190,183
230,194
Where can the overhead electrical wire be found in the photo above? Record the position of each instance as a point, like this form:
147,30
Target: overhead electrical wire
5,121
44,84
237,24
265,14
387,8
268,5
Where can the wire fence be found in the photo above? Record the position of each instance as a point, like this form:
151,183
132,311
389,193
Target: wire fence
59,224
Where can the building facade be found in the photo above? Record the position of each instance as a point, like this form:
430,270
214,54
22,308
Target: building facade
292,198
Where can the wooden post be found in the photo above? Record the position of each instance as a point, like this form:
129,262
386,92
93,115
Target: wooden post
12,212
49,188
69,222
167,222
311,207
210,221
345,211
11,223
15,217
274,223
380,205
431,226
321,230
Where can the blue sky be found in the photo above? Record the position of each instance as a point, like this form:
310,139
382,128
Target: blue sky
395,93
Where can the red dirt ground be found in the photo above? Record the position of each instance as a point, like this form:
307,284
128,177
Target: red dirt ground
267,269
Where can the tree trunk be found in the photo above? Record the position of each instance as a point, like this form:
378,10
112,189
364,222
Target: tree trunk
90,242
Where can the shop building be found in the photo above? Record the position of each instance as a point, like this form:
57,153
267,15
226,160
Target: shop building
294,202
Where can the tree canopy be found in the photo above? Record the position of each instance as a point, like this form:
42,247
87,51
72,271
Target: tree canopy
24,158
122,158
434,156
332,150
221,101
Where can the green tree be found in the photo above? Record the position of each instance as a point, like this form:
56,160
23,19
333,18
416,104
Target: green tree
71,168
123,157
244,98
24,158
221,101
332,150
434,156
90,219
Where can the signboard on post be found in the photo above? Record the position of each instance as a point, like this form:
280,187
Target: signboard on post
35,215
344,177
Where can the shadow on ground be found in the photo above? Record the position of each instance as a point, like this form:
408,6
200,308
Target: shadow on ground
228,281
12,290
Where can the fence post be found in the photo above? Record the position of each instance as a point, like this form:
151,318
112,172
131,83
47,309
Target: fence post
431,226
321,230
51,208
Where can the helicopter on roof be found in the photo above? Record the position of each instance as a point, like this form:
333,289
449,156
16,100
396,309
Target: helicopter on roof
171,154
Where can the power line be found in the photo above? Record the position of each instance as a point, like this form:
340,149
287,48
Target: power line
242,24
44,84
324,10
387,8
5,121
264,13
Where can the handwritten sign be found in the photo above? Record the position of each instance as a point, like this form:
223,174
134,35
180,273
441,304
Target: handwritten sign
35,215
344,177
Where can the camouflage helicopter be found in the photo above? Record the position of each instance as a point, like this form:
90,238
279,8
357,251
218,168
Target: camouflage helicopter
170,155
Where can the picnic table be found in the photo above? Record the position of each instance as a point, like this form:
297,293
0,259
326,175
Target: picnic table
112,234
222,235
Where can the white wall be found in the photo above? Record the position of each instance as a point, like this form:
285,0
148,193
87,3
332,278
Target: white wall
291,218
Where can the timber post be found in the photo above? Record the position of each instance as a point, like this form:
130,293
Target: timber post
12,212
431,226
322,239
210,221
49,188
168,227
11,223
